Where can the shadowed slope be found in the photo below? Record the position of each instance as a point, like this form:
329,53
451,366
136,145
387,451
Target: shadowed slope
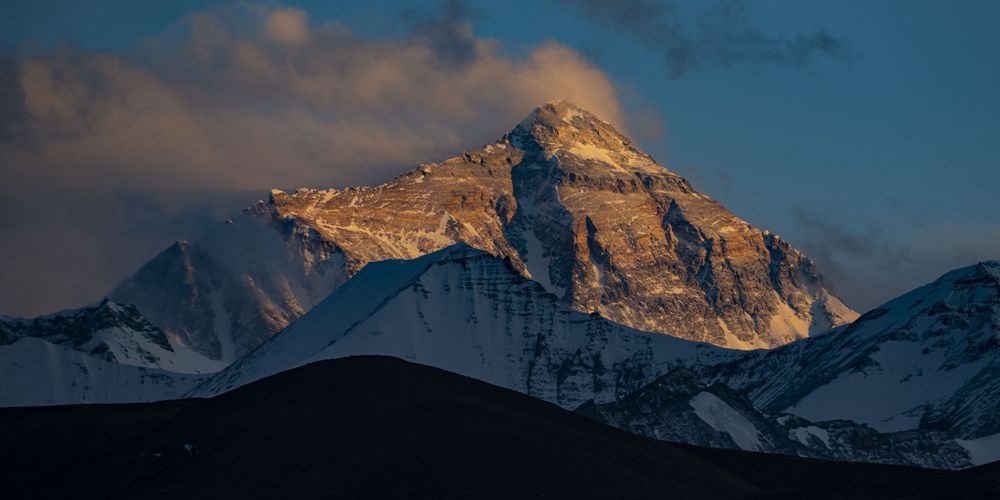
375,427
365,427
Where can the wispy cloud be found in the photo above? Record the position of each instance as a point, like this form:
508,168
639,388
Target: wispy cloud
829,241
694,35
869,263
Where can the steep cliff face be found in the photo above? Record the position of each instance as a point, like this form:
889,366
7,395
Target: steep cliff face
578,208
637,243
572,202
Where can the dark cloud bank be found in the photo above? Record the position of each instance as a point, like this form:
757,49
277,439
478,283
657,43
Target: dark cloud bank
693,35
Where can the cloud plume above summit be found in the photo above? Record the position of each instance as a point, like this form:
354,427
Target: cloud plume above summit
243,98
262,93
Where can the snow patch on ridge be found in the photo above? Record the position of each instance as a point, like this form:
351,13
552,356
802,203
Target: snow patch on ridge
723,418
538,263
787,326
982,450
734,342
592,152
801,434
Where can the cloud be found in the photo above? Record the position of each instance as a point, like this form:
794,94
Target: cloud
868,266
231,103
66,249
241,99
719,33
287,26
449,34
829,240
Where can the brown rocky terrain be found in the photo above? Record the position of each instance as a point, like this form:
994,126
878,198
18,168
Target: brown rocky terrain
572,202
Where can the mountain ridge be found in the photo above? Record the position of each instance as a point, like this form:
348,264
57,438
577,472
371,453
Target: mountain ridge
108,331
922,360
679,407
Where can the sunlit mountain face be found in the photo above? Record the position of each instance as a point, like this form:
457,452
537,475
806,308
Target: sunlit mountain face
549,311
549,196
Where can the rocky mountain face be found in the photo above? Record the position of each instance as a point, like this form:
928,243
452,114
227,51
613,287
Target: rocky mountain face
679,407
90,330
927,360
569,200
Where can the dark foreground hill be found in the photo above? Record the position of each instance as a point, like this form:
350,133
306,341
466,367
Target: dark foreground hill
375,427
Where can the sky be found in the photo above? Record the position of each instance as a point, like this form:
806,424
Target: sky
866,133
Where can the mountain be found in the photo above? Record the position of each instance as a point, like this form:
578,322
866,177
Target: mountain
517,264
469,312
372,427
925,360
107,331
679,407
568,199
230,291
103,353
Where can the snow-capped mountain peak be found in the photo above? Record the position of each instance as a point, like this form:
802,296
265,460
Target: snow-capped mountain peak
108,331
104,353
581,140
88,329
573,203
467,311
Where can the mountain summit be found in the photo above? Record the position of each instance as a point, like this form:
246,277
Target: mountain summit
562,129
573,204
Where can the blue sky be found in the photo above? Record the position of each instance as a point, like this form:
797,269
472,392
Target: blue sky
881,161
